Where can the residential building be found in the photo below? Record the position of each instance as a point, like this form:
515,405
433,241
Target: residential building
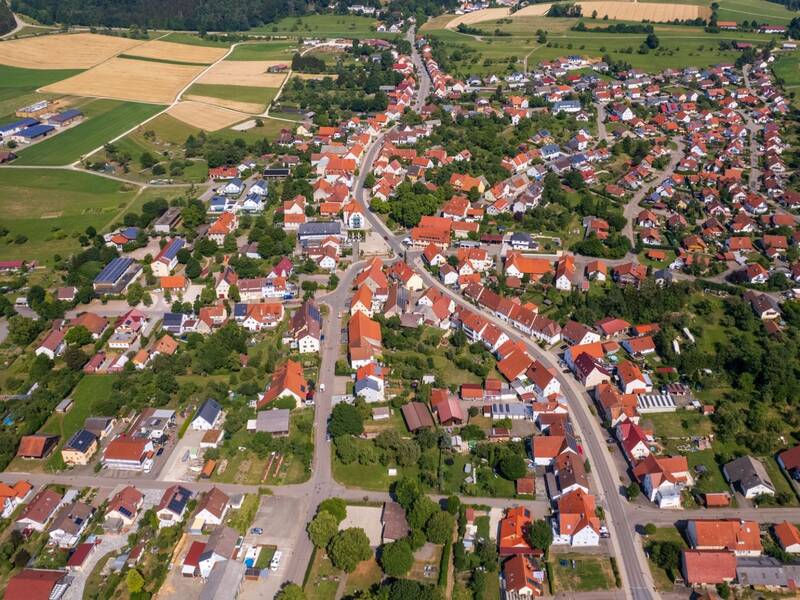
124,507
213,507
738,536
39,510
80,448
749,476
69,523
208,416
126,453
171,508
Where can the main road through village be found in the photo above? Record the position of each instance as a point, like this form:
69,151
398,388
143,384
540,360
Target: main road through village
622,518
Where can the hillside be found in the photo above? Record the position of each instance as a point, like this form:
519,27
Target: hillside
207,15
7,21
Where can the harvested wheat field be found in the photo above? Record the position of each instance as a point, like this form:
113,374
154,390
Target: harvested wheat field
252,73
205,116
478,16
137,80
66,51
532,10
245,107
178,52
637,11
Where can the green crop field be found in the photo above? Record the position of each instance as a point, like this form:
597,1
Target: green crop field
239,93
760,10
322,26
105,119
18,86
275,50
52,207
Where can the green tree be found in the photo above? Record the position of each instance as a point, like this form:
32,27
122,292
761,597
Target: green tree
322,528
348,548
397,558
22,331
439,527
422,510
540,535
135,294
335,506
345,420
291,591
193,268
134,581
650,529
632,491
78,336
512,466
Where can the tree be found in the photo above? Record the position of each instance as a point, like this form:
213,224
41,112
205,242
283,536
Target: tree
632,491
147,160
345,420
540,535
134,581
322,528
22,331
78,336
291,591
512,466
439,527
193,268
348,548
453,504
75,358
335,506
650,529
406,491
135,294
422,510
652,41
397,558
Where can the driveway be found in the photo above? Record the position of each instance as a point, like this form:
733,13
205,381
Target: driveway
108,543
175,469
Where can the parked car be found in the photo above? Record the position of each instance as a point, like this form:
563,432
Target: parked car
256,531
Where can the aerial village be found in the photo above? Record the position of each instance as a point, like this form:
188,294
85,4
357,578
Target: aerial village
517,334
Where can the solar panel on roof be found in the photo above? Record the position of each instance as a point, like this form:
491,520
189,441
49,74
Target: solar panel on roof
114,270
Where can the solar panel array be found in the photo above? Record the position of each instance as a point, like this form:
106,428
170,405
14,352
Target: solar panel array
114,270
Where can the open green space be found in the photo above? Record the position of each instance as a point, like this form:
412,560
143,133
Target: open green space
238,93
89,391
178,37
588,573
661,577
367,574
323,578
373,477
274,50
18,87
711,479
787,68
50,208
241,519
759,10
322,26
104,120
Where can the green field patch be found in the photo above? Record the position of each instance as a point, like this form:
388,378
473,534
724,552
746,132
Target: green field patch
90,391
322,26
81,198
18,87
193,40
104,120
787,68
237,93
577,573
747,10
275,50
163,60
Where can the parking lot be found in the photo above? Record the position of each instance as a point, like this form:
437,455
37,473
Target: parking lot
178,467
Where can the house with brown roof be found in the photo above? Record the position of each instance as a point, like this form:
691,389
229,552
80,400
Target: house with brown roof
708,567
632,380
416,416
127,453
69,523
37,446
93,323
522,580
395,525
365,341
39,510
213,507
124,507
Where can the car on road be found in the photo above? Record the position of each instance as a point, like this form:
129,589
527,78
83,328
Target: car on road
256,531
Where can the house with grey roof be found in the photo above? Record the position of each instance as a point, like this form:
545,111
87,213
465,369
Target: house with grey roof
208,416
275,422
749,476
221,546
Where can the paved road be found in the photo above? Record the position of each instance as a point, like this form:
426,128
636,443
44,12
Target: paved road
632,208
109,543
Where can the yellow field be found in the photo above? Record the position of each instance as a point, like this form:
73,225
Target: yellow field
66,51
252,73
638,11
205,116
627,11
123,79
245,107
178,52
314,75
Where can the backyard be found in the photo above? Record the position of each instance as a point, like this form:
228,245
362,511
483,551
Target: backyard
579,573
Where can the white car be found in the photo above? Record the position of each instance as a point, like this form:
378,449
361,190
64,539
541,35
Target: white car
276,560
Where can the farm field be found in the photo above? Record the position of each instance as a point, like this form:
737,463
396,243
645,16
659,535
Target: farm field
193,39
280,50
654,12
322,26
248,73
761,10
205,116
125,79
18,86
158,49
67,51
242,98
105,119
786,67
52,207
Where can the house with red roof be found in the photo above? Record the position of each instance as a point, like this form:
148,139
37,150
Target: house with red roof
633,441
511,540
664,478
287,381
37,584
788,536
11,496
741,537
522,580
578,524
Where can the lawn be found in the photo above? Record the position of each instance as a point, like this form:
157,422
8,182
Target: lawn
274,50
323,578
90,390
238,93
18,87
683,424
373,477
241,519
367,574
661,578
712,480
265,556
105,120
787,68
590,573
782,485
322,26
51,208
